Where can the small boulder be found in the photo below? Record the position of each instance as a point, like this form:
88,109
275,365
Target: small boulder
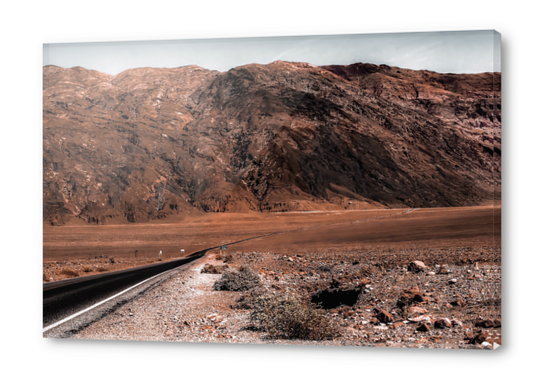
416,266
424,327
414,310
457,323
458,303
479,338
410,296
485,324
423,318
443,323
383,316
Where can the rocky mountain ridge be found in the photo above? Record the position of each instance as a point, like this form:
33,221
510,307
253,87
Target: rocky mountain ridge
154,143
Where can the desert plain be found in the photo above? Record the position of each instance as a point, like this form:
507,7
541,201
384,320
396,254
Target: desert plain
420,277
360,203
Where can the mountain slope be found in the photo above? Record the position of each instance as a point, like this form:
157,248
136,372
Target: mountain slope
154,143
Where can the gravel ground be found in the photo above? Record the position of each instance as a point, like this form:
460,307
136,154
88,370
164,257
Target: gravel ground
459,302
183,308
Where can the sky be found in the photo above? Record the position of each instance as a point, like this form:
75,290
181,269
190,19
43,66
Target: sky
445,52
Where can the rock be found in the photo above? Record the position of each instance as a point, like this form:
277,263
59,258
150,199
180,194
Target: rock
410,296
443,323
374,320
416,266
414,310
423,318
457,323
383,316
431,273
424,327
458,303
486,324
479,338
452,281
443,271
334,297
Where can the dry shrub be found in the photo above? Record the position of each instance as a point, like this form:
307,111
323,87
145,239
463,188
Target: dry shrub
87,269
284,317
228,258
45,278
241,280
212,269
249,298
112,260
101,269
69,273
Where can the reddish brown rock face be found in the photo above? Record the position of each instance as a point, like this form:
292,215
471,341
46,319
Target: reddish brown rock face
383,316
154,143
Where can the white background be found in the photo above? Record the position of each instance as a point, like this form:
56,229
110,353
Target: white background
26,25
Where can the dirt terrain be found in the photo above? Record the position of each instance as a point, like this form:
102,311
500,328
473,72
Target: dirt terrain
77,247
450,298
90,249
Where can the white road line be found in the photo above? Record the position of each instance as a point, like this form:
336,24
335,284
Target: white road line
101,302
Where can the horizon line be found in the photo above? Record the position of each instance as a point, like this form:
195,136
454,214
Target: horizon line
266,64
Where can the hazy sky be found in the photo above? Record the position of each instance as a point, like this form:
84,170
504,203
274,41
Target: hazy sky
454,52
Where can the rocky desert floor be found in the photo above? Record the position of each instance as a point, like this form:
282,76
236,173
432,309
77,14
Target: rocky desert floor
420,279
447,305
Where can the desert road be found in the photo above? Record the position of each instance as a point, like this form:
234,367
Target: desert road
79,298
69,305
73,297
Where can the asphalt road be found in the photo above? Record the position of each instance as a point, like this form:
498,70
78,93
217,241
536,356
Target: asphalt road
68,297
65,302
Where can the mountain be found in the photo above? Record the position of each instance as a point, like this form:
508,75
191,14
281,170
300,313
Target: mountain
152,143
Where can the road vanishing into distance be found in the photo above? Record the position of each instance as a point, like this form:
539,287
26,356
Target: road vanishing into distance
72,304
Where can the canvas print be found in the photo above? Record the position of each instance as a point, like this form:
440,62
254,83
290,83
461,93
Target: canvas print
315,190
